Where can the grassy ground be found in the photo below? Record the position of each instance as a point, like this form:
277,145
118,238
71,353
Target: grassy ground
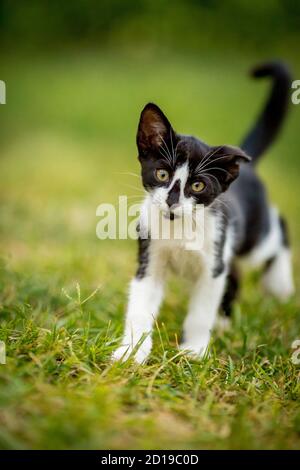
67,138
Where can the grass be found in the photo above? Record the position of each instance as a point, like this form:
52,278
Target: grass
67,138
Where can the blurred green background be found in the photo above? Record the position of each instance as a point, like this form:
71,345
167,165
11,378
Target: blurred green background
77,76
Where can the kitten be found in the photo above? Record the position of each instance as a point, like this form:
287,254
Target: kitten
180,173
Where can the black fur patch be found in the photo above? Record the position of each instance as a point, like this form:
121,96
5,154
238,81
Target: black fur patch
143,257
270,120
269,263
284,232
231,292
219,247
253,220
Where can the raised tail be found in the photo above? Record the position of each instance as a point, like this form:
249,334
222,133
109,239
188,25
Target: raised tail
270,120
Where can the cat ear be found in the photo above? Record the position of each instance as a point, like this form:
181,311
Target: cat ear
154,129
224,163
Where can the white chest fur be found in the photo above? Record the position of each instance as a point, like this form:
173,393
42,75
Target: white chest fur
146,292
185,252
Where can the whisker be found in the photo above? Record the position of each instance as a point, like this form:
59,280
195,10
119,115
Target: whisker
207,163
134,187
165,155
218,168
166,152
207,160
167,149
128,173
216,150
173,155
176,151
208,155
209,174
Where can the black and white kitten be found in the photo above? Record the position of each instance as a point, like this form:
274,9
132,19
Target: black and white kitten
181,171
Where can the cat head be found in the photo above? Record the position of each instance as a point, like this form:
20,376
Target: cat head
180,171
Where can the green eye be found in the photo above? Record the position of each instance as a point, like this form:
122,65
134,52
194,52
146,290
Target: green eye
198,186
162,175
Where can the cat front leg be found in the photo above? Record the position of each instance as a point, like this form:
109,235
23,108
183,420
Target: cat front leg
145,296
205,301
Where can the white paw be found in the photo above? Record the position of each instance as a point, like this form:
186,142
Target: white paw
278,279
283,290
138,352
195,350
122,353
141,355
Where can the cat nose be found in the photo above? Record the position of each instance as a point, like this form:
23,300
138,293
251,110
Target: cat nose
173,195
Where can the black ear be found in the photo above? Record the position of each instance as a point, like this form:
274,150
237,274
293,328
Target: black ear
154,129
224,163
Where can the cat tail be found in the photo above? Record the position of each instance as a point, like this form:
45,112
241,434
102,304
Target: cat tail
269,122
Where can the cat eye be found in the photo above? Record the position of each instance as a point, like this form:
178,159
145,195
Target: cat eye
162,175
198,186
